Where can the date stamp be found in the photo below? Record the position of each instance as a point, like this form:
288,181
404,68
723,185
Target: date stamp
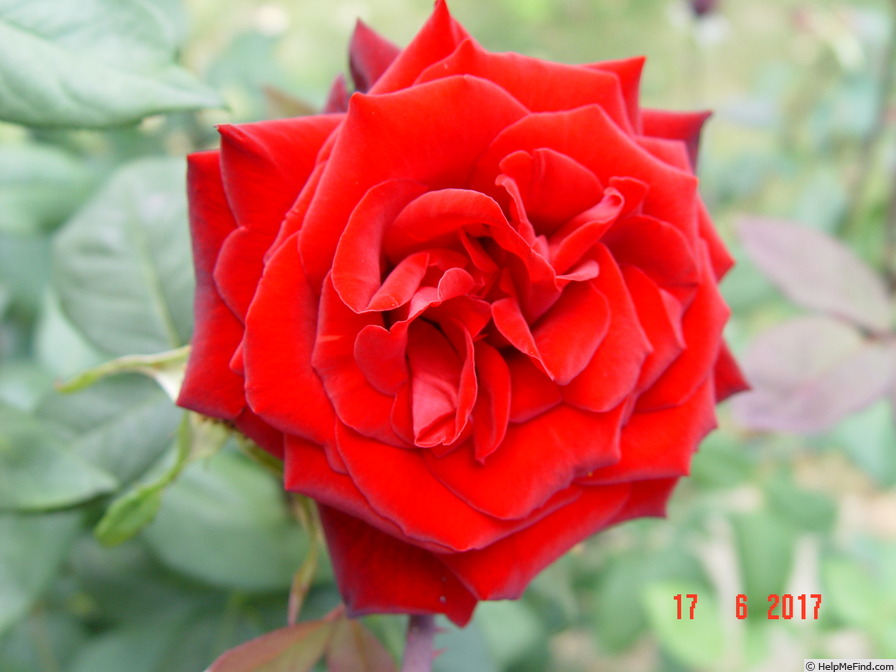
785,607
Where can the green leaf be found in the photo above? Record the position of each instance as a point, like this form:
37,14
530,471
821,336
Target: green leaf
293,649
765,546
58,346
700,642
38,472
123,267
121,424
23,383
40,186
91,64
33,548
24,269
225,521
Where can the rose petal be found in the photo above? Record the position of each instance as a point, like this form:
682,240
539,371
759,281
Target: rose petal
655,247
438,37
542,86
492,411
660,321
357,268
612,373
536,460
437,385
505,568
209,386
563,340
377,573
646,498
431,133
609,153
369,55
281,386
659,444
684,126
701,328
337,97
727,376
533,392
264,166
574,240
426,511
553,187
257,429
357,403
380,354
720,259
628,70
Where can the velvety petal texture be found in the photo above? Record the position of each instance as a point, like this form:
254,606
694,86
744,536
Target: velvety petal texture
474,307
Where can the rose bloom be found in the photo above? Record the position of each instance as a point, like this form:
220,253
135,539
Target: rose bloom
473,307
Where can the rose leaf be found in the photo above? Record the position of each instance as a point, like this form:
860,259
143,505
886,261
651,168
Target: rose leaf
93,63
122,263
809,373
817,271
33,548
39,187
229,504
93,421
292,649
37,472
353,648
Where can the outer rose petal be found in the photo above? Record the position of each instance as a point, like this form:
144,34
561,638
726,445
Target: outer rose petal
370,54
728,378
628,70
264,166
440,518
436,40
377,573
660,444
542,86
684,126
209,386
516,479
504,569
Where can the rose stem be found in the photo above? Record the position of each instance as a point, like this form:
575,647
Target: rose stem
418,653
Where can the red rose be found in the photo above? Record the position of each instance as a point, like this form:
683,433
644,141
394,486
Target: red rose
476,312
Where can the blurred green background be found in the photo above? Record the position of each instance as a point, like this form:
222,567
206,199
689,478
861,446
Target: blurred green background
798,133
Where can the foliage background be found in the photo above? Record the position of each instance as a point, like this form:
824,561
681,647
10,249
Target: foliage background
94,264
